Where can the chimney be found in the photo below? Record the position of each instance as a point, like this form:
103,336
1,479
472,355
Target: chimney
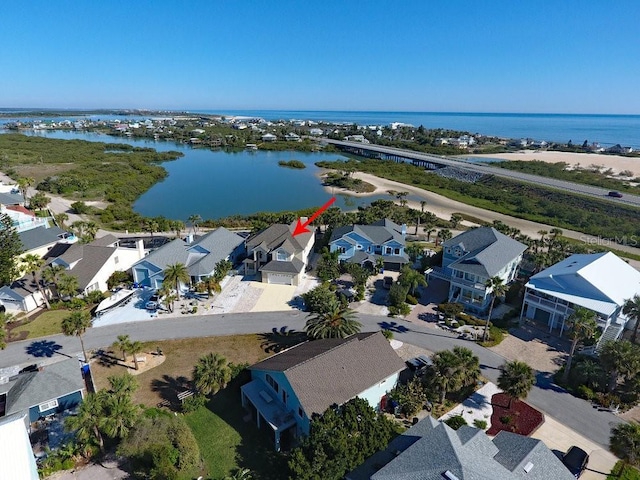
140,247
404,229
189,238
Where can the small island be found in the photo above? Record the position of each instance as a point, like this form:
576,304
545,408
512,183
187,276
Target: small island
292,164
346,181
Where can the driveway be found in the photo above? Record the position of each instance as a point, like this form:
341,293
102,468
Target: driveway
559,438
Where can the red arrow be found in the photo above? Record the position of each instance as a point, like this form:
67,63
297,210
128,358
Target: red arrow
302,227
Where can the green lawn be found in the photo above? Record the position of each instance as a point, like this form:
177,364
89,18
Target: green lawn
624,472
47,323
227,442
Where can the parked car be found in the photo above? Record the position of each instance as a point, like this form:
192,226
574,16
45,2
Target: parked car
153,303
615,194
419,362
387,282
349,295
575,460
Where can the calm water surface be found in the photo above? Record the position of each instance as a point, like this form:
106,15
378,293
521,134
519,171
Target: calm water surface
217,184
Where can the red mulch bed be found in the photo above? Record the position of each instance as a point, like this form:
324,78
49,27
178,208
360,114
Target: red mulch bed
523,418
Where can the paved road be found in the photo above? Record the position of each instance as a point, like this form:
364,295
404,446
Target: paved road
575,413
588,190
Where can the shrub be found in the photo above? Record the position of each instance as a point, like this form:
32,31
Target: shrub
193,403
397,294
411,300
388,334
481,424
411,396
496,335
607,400
585,392
505,419
456,422
404,309
450,309
95,296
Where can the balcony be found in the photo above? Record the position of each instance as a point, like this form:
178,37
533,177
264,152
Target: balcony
553,305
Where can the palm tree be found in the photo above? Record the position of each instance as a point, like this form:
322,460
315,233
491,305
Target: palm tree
60,219
51,275
240,474
631,308
411,278
122,385
90,419
123,415
211,373
625,442
134,349
444,235
33,263
619,358
23,184
590,373
338,322
446,373
516,380
177,226
77,324
497,288
194,220
456,218
68,285
583,326
90,231
468,364
211,284
122,343
174,274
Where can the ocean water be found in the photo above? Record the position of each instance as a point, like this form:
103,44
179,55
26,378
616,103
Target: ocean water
605,129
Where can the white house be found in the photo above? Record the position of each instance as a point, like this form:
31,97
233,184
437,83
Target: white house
600,282
471,258
269,137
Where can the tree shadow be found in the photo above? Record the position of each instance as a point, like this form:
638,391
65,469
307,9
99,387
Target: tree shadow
545,381
168,388
279,339
394,327
44,348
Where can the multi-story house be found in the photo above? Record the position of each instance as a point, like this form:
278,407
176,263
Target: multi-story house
366,244
277,255
600,282
472,258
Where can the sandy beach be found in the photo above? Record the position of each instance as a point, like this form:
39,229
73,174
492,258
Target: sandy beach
617,163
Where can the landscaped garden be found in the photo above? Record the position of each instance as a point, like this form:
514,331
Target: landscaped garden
512,415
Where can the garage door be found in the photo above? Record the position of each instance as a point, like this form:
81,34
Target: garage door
280,279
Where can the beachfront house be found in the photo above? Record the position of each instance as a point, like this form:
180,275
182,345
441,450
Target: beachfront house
287,389
292,137
269,137
200,256
431,449
367,244
41,239
277,255
470,259
600,282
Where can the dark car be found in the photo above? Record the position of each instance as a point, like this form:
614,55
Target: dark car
387,282
615,194
575,460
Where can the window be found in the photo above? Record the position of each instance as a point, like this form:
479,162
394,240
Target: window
284,397
342,250
358,247
43,407
282,256
448,250
387,250
272,383
300,412
396,251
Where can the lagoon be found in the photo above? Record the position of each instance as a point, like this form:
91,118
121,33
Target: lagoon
219,183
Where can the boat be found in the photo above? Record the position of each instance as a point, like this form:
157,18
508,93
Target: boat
118,298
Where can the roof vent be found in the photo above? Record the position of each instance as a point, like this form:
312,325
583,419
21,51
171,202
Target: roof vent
527,468
449,476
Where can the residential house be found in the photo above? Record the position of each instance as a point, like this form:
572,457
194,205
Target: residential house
49,390
431,450
16,456
287,389
200,257
40,240
23,218
366,244
277,255
600,282
93,263
292,137
10,198
316,132
471,258
356,138
21,296
269,137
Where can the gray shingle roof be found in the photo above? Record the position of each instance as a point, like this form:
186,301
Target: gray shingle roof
294,266
34,388
333,371
430,448
488,251
106,241
11,198
378,233
19,289
90,258
279,235
168,254
39,237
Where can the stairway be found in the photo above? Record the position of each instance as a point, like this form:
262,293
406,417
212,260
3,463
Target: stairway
612,332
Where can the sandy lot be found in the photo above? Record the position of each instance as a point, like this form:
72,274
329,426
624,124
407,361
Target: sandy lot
617,163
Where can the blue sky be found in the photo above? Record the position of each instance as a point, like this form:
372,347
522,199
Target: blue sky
454,56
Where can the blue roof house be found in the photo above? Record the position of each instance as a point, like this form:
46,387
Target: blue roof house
366,244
